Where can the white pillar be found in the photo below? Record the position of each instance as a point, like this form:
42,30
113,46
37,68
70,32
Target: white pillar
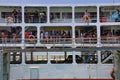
99,57
48,55
48,14
73,31
98,26
98,35
73,14
73,36
23,14
38,34
23,34
98,14
23,57
74,60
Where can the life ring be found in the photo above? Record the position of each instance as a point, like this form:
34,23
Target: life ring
31,38
112,73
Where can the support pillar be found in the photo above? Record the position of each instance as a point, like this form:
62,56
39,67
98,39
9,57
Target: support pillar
99,57
74,57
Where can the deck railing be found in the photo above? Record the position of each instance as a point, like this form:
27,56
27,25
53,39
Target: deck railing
80,40
65,20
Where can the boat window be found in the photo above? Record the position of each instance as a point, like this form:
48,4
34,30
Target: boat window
61,57
86,57
15,57
36,58
106,57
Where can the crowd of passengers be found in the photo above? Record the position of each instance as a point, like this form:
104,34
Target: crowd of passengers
35,16
30,17
46,35
10,36
41,17
15,16
15,33
109,34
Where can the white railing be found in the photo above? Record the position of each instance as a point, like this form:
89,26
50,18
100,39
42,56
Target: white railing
80,40
91,20
3,20
61,20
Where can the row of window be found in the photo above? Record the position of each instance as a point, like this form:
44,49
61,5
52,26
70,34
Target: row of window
58,14
59,18
58,57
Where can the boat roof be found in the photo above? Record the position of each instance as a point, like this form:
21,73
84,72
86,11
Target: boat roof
58,2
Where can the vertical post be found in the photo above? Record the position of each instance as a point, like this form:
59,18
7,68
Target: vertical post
117,64
98,26
23,14
48,55
73,35
23,57
23,34
48,14
1,65
38,34
99,57
73,17
73,57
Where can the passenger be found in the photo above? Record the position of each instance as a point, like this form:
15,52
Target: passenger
64,34
116,15
51,17
15,15
19,14
27,34
42,17
14,35
41,35
35,18
86,16
46,36
9,19
26,16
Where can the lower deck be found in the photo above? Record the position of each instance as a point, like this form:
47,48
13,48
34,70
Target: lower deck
84,65
60,72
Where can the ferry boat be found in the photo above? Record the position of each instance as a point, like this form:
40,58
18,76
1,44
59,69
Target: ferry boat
45,41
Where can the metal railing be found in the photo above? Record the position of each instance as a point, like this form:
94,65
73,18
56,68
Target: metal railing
80,40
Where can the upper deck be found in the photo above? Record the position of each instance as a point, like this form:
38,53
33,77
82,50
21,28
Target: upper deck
58,25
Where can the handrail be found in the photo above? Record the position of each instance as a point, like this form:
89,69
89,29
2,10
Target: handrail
79,40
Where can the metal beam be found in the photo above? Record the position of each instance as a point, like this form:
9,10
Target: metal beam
60,49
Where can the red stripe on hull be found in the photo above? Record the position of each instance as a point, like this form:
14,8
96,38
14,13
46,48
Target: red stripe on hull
70,79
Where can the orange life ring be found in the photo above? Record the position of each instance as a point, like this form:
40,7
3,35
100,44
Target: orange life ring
31,38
